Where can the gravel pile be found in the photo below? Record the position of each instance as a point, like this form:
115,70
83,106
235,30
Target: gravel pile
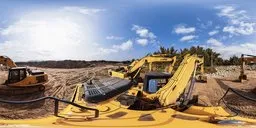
251,67
225,71
230,71
3,68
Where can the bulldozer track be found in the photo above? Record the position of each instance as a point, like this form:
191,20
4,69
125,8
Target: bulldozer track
70,83
9,91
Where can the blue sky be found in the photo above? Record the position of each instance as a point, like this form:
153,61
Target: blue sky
121,30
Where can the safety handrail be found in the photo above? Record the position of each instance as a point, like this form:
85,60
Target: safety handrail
56,104
236,111
237,93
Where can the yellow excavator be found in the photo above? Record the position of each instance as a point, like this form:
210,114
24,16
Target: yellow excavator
245,58
21,80
133,70
97,104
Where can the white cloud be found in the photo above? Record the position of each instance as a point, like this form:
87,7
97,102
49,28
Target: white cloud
184,30
188,38
211,33
108,50
82,10
124,46
227,51
114,38
55,35
238,21
214,42
127,45
142,42
243,28
143,32
225,10
145,36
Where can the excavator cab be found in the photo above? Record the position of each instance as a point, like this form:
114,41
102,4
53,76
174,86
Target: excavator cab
153,81
22,76
16,75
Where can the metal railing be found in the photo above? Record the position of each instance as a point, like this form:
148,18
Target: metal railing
56,104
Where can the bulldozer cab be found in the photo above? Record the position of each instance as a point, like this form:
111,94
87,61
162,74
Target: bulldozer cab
16,75
153,81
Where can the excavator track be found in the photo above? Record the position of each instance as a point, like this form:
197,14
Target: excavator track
8,90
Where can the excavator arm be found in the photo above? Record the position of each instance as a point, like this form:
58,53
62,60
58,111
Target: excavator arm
176,86
151,60
6,61
245,58
135,67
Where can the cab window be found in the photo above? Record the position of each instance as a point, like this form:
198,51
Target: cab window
22,74
14,76
152,86
155,84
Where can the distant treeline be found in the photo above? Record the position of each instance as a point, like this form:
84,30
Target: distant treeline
69,63
208,54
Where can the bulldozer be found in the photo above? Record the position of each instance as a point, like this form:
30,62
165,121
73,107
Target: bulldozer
245,58
160,102
21,80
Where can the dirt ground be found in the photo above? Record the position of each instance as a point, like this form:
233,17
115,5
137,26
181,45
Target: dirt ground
211,92
62,83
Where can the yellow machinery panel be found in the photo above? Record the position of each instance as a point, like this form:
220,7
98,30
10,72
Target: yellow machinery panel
113,114
118,74
31,80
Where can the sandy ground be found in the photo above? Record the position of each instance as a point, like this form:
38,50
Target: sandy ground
211,92
62,83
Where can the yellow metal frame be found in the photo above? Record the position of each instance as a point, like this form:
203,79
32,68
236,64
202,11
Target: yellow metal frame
30,80
118,74
245,58
177,84
113,114
135,66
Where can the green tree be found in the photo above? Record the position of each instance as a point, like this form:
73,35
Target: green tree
169,51
208,53
234,60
